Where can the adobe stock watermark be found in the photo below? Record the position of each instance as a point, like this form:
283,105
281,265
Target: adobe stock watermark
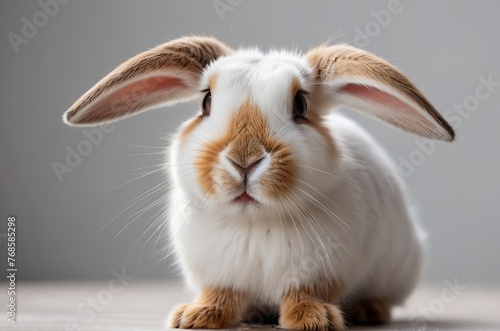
74,156
437,306
31,26
406,166
381,19
89,308
223,6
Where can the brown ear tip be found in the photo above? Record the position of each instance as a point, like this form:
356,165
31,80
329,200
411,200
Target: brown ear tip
447,136
450,137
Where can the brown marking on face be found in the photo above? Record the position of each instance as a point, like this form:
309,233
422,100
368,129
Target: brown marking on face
205,165
281,174
246,149
213,309
212,81
189,127
250,137
306,309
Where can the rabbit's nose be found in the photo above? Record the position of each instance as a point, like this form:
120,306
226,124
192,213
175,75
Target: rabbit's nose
245,153
245,168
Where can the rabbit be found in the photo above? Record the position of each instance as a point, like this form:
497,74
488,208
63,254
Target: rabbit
280,205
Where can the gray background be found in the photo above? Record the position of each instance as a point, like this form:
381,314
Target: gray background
443,46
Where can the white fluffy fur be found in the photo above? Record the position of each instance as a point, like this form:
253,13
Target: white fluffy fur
344,220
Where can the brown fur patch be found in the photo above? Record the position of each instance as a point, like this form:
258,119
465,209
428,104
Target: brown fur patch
249,136
304,310
189,128
214,309
246,149
341,61
212,81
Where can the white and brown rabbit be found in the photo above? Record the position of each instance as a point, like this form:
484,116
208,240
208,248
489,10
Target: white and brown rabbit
282,205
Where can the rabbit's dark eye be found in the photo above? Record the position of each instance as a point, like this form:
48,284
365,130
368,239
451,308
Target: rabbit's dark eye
206,105
299,106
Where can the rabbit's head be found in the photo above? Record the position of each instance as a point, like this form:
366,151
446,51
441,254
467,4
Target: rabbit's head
258,139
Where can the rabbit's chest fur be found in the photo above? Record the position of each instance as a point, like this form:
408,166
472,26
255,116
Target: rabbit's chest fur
263,257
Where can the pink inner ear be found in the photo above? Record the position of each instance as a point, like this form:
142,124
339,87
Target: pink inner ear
374,95
143,88
410,111
132,97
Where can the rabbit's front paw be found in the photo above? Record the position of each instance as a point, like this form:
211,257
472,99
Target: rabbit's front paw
308,314
215,309
200,316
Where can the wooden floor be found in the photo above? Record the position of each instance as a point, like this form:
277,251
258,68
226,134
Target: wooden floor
143,306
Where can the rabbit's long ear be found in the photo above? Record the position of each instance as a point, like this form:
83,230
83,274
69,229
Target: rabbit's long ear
362,81
166,74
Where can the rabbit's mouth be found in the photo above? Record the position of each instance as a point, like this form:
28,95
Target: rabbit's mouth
245,198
